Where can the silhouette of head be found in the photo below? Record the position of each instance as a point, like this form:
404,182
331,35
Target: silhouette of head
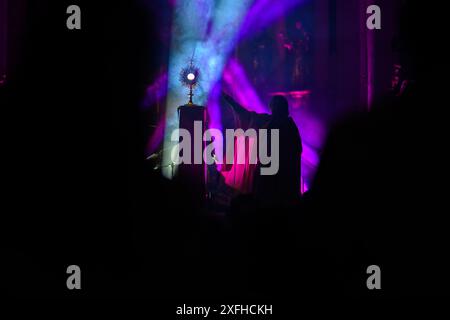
279,107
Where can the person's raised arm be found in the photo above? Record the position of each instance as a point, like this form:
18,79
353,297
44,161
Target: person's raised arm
234,104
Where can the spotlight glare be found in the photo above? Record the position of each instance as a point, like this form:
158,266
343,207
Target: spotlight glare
193,37
191,76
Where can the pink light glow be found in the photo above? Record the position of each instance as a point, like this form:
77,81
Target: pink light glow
264,12
236,79
296,98
294,94
240,176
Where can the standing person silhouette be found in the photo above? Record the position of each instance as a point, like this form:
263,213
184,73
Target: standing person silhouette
284,186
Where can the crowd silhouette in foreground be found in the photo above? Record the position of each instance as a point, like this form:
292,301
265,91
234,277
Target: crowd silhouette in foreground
371,204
